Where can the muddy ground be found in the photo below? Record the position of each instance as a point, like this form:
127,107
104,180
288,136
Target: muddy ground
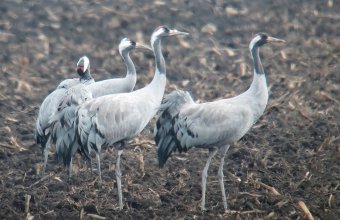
291,156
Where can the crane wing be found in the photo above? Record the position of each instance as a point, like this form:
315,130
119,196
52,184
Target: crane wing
109,119
47,108
211,123
186,124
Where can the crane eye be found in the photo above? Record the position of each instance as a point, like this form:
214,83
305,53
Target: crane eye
265,37
164,28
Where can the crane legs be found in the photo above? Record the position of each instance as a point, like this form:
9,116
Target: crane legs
220,175
98,168
212,153
45,153
70,169
119,180
89,165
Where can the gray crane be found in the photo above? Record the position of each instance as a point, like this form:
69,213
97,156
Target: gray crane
183,124
49,107
119,85
62,123
113,119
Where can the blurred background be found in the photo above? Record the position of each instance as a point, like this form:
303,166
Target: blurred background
294,148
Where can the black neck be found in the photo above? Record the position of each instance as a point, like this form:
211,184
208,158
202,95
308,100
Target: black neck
160,62
257,61
86,76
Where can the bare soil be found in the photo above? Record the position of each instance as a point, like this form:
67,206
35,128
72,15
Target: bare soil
292,155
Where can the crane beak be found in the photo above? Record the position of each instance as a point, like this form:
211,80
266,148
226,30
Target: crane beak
142,46
273,39
176,32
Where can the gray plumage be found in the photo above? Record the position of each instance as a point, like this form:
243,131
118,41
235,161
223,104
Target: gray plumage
60,122
64,133
113,119
47,109
49,106
183,124
119,85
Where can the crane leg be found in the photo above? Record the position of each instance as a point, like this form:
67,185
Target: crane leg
98,167
45,154
70,168
88,158
212,153
119,180
89,165
221,176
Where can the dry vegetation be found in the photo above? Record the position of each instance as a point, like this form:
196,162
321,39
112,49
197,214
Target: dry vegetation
286,167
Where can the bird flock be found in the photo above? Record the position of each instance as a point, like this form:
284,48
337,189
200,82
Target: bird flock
83,116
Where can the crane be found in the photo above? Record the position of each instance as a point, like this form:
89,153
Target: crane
113,119
49,107
62,122
184,124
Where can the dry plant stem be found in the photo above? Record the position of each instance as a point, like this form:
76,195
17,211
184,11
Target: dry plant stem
270,188
94,216
141,164
27,207
305,210
81,214
49,212
27,203
330,200
323,144
236,178
270,215
244,212
250,194
41,180
329,96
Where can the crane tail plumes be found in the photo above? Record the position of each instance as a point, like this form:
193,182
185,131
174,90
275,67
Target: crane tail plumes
63,131
63,122
165,134
85,135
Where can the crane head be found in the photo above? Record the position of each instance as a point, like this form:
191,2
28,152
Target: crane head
83,65
127,45
165,31
261,39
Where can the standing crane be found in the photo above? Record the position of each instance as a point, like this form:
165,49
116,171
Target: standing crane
113,119
50,105
62,123
184,124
